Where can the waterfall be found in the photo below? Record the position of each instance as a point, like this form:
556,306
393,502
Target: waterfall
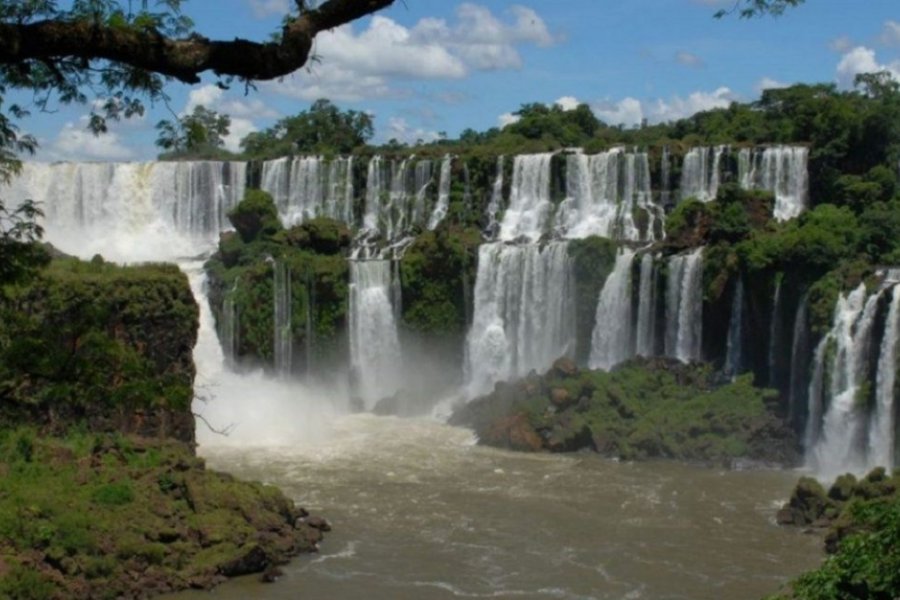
735,343
523,318
799,365
781,170
443,201
612,340
423,181
529,203
837,447
495,205
375,355
132,211
305,187
283,334
646,317
228,326
603,192
665,177
882,428
701,173
684,306
774,330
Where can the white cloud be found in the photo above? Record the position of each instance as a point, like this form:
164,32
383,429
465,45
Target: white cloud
890,35
369,63
269,8
75,142
207,96
862,60
237,131
841,43
398,129
678,107
689,60
627,111
567,103
507,119
767,83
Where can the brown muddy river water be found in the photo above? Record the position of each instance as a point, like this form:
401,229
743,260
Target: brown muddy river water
420,512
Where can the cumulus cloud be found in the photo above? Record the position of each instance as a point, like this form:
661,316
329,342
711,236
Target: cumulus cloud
263,9
890,35
678,107
355,65
567,103
628,111
398,129
767,83
689,60
75,142
507,119
862,60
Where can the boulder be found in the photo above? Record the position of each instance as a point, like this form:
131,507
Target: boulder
515,433
565,367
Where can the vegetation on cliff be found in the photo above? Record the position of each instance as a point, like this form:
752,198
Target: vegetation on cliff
100,492
90,515
861,519
639,410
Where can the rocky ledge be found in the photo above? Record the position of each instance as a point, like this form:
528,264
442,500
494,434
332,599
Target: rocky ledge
643,409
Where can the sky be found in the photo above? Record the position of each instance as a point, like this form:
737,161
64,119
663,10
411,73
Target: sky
427,68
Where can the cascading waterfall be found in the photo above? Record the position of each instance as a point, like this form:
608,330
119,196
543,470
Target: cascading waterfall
305,187
837,444
774,329
646,317
132,211
529,208
495,204
799,353
375,355
701,172
781,170
423,180
882,428
523,316
665,170
684,306
604,190
735,342
443,201
228,325
612,340
283,334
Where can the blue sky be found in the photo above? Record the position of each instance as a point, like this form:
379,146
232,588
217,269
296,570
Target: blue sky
424,67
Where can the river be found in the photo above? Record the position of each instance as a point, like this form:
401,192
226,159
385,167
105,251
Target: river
421,512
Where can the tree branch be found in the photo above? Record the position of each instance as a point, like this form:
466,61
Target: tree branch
182,59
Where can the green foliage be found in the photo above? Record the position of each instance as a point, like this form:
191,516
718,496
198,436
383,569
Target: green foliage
199,134
435,272
593,259
87,337
324,129
863,539
641,410
89,516
255,216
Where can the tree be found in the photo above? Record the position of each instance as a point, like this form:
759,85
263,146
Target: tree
200,132
59,50
757,8
322,128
